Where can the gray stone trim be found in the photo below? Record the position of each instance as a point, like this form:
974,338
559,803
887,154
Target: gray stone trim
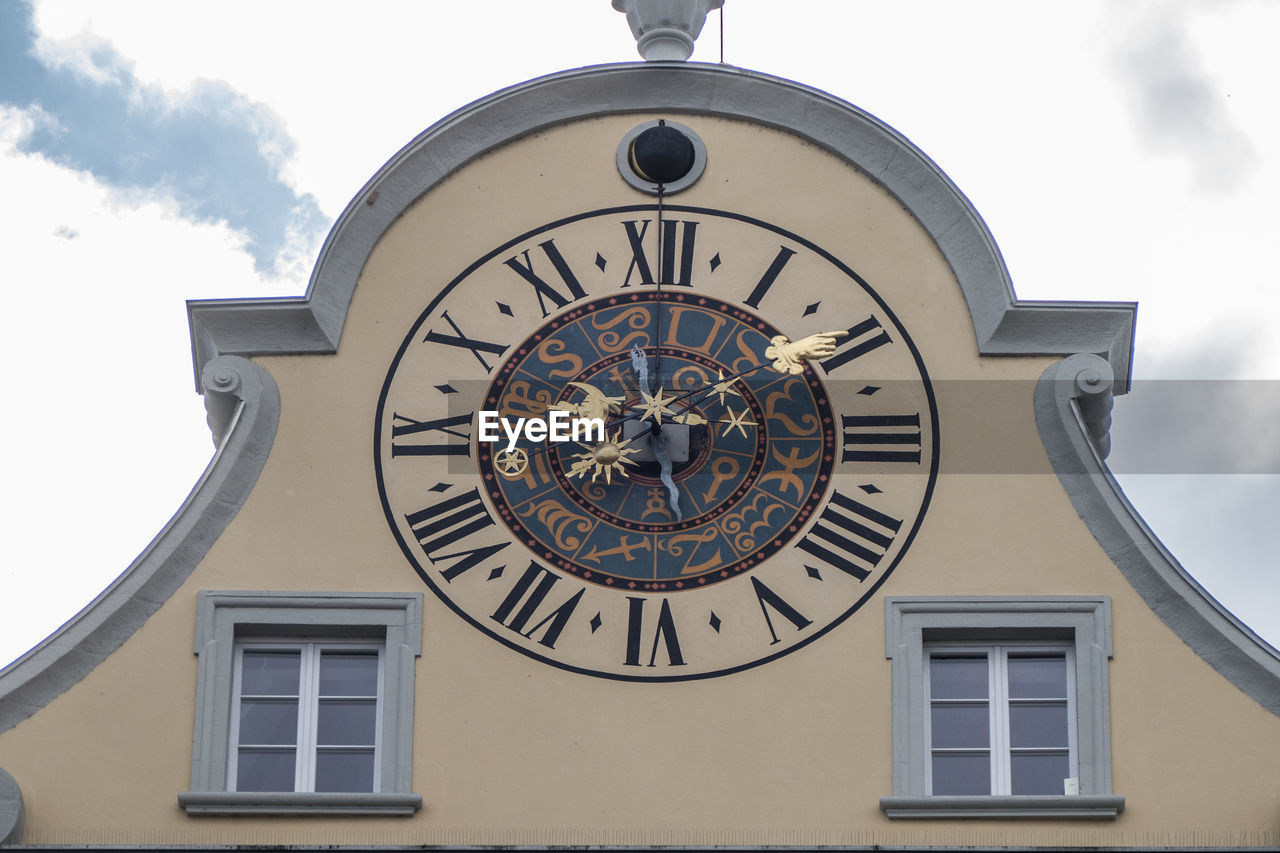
1084,620
222,616
248,403
1062,399
1003,325
206,804
948,808
12,811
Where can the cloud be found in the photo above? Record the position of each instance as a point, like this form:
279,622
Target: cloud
1193,413
1222,530
1177,104
209,149
1197,426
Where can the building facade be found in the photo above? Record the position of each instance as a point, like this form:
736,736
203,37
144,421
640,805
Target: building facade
846,568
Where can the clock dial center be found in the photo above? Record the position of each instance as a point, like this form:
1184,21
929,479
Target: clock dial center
742,490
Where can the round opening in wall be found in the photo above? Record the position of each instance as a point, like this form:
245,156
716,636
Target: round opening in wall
661,153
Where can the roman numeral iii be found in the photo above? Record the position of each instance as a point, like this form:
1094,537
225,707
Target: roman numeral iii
881,438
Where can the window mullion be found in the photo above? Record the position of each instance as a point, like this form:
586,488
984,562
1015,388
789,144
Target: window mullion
1073,755
233,739
377,731
308,711
1001,771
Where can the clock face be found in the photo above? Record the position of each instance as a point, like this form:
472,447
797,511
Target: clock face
739,505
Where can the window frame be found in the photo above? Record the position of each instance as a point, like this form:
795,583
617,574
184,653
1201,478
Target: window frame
305,746
916,624
226,620
1000,749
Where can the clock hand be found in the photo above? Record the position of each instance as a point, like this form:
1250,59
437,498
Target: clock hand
657,306
782,355
667,403
640,364
788,356
658,443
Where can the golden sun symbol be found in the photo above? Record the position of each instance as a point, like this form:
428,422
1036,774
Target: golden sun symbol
607,457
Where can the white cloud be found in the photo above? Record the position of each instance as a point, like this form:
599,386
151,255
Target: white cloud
105,432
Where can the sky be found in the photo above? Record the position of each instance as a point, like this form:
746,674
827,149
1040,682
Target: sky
153,152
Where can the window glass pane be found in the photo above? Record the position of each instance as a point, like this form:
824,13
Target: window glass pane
346,722
958,678
344,770
270,673
349,673
1038,677
961,774
268,721
265,770
1038,725
1039,773
961,726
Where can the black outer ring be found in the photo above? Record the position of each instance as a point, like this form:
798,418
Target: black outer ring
412,335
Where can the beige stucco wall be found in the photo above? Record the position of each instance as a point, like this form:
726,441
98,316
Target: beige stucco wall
508,749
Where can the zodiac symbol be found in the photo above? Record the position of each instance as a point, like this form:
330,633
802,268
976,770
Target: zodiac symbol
656,504
635,317
546,353
557,519
744,540
723,469
689,377
672,546
790,465
625,548
783,398
516,402
673,329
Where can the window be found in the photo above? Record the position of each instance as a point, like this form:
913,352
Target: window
1000,707
304,703
1000,720
306,717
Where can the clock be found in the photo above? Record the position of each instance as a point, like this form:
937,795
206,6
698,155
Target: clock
769,450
